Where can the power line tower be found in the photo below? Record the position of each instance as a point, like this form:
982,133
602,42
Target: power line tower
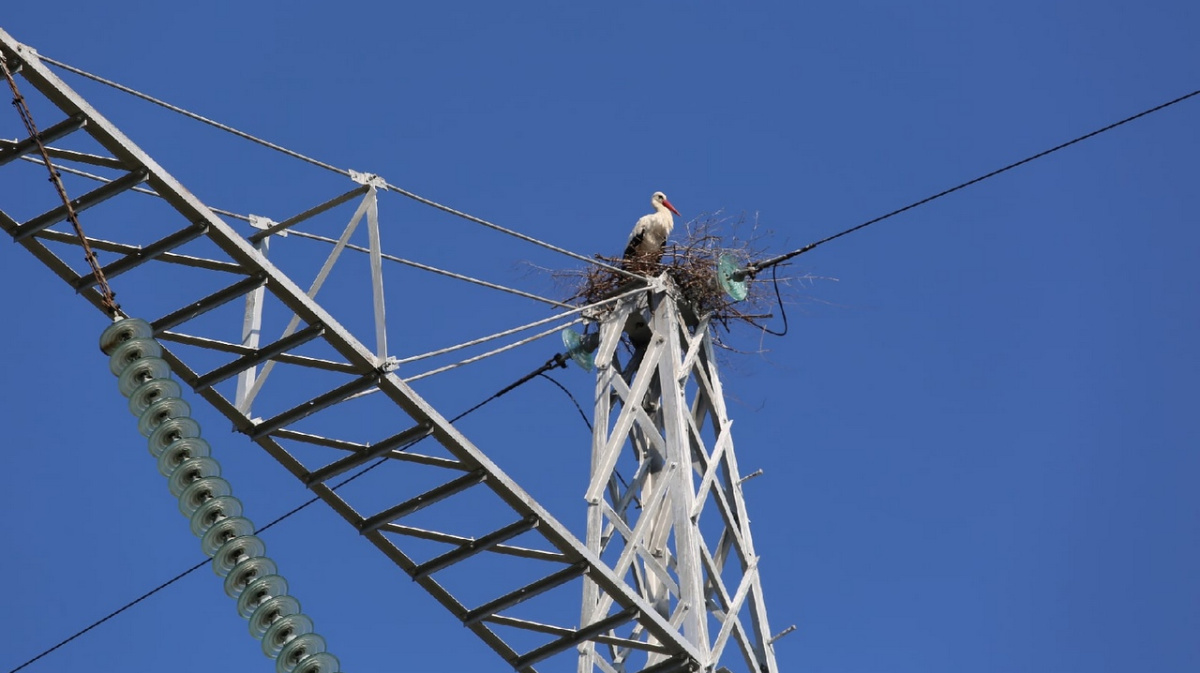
677,529
667,573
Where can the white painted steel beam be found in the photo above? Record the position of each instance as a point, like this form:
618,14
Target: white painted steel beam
652,414
565,557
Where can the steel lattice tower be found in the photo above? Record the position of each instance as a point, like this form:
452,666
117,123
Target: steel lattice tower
667,573
678,528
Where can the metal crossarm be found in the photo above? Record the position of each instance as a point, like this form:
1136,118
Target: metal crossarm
92,198
258,357
422,501
112,246
208,303
472,547
368,453
536,538
19,149
569,640
141,256
523,594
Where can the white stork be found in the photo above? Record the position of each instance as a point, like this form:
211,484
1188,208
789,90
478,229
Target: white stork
651,231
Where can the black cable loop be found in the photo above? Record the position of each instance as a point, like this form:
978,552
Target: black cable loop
559,360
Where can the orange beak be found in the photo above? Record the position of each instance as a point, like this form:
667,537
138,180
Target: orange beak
670,207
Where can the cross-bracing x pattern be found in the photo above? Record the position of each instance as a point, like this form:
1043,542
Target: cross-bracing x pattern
677,528
198,269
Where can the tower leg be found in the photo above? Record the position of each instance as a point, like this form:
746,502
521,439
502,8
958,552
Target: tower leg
677,530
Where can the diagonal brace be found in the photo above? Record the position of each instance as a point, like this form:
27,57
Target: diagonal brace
422,501
555,646
218,298
314,405
98,195
352,461
311,212
257,357
49,135
143,255
474,547
524,593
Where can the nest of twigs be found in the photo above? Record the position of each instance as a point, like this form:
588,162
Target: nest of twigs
691,263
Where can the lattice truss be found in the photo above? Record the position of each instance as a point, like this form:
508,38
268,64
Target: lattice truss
676,529
667,572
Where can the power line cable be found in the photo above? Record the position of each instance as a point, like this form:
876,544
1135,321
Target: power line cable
782,310
563,388
588,423
754,268
558,361
326,239
116,612
340,171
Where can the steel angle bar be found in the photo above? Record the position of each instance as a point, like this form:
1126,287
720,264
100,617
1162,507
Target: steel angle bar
672,665
524,593
252,318
367,453
422,501
380,307
52,261
750,649
314,405
93,159
356,354
202,306
143,255
442,596
714,462
99,195
245,400
553,630
310,213
435,270
78,158
318,440
438,536
13,151
258,356
554,647
473,547
112,246
226,347
735,606
343,445
695,344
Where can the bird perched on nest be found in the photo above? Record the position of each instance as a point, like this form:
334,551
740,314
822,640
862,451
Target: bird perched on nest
645,246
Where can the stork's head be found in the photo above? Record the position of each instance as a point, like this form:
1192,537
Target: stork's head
659,201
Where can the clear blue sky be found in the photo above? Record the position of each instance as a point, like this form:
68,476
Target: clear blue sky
980,443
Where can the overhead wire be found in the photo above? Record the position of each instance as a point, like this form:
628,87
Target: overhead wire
340,171
751,270
495,351
782,310
329,240
520,328
436,270
754,268
574,401
573,309
558,361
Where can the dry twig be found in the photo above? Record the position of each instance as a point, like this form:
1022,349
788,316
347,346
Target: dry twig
691,265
